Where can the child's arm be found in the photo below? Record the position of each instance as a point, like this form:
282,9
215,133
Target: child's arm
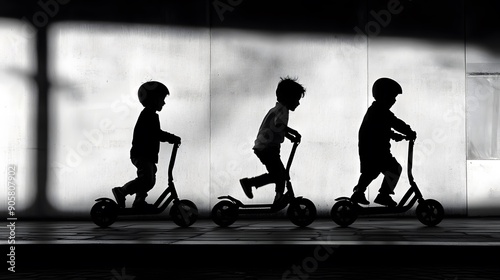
396,136
401,127
292,134
169,137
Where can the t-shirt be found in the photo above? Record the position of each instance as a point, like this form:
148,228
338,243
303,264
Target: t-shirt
273,128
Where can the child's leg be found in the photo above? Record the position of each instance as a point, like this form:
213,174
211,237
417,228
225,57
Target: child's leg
146,178
365,179
147,182
392,173
276,172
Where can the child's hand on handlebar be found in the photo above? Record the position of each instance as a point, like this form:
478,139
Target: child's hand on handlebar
175,140
411,136
397,137
297,137
294,137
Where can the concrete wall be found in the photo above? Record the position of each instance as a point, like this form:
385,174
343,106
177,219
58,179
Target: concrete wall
222,76
98,70
328,66
482,93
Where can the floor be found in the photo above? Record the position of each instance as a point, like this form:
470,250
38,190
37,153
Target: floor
371,248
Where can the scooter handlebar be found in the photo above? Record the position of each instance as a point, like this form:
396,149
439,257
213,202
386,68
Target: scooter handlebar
295,140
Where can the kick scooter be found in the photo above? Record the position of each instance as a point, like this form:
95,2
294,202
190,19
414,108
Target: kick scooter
429,211
183,212
301,211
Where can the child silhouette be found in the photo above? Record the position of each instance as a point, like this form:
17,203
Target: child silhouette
374,145
146,145
272,132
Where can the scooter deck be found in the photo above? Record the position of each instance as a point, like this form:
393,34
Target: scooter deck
260,209
374,210
379,210
254,208
134,211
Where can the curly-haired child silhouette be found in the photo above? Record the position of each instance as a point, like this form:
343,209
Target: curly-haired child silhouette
272,132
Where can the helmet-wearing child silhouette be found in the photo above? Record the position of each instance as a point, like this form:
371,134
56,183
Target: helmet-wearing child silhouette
374,137
146,145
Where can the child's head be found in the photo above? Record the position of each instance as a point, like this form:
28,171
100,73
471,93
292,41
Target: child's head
385,90
289,92
152,95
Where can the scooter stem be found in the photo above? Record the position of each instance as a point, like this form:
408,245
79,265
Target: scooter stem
172,162
410,159
292,154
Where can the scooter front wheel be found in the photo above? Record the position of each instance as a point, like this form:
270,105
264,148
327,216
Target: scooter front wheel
184,213
104,213
301,212
430,212
225,213
343,213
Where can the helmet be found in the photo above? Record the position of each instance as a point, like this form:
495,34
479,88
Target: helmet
150,91
385,87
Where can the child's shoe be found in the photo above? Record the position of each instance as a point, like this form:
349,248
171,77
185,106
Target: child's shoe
246,187
359,197
119,196
385,199
141,204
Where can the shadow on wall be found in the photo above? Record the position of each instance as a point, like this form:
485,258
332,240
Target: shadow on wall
445,17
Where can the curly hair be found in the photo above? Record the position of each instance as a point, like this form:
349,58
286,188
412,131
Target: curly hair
289,89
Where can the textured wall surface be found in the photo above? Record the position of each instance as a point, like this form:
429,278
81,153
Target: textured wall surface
333,71
96,107
222,64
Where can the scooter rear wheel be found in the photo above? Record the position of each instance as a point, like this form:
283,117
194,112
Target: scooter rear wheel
301,212
184,213
430,212
225,213
343,213
104,213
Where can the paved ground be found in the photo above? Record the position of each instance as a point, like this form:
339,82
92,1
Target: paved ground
371,248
